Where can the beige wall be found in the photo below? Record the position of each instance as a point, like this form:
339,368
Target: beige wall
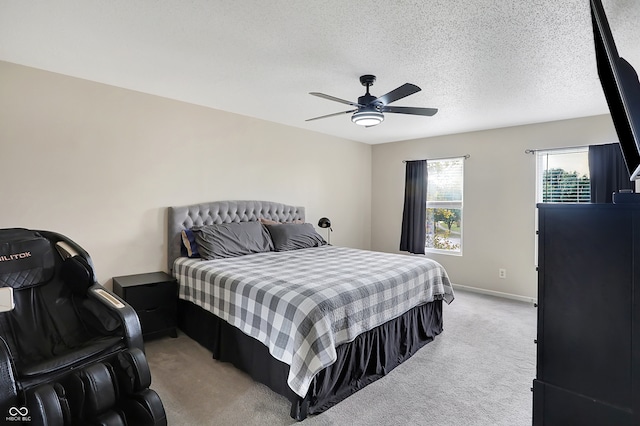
100,164
499,197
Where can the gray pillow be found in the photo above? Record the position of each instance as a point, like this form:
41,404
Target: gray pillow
293,236
231,239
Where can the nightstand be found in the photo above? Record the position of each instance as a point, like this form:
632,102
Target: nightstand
154,296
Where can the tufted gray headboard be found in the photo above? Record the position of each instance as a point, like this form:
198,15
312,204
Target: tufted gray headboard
185,217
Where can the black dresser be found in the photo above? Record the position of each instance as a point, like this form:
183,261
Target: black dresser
588,345
154,296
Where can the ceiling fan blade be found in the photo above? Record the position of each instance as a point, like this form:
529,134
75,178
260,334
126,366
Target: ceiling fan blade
410,110
331,115
399,93
333,98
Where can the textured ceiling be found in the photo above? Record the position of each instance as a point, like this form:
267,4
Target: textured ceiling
483,63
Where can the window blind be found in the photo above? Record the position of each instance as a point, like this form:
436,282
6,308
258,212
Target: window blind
563,176
446,179
444,205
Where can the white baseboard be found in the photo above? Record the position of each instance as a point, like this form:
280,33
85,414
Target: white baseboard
495,293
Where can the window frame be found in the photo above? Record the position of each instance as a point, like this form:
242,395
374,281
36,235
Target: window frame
539,169
540,185
448,204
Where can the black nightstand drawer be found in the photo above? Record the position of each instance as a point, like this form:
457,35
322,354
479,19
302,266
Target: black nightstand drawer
154,296
156,321
150,296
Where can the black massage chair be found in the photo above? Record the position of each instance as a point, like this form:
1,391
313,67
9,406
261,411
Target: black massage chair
71,352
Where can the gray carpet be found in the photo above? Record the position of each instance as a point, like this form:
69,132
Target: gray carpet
479,371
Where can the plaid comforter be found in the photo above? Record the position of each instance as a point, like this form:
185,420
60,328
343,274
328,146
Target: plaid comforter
302,304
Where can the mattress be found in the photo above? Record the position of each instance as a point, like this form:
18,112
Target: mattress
302,304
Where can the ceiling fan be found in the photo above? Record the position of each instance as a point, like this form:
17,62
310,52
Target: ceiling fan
369,111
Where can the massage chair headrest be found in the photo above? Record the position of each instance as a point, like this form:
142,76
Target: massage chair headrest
27,258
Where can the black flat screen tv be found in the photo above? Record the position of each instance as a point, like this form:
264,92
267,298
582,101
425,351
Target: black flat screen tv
621,89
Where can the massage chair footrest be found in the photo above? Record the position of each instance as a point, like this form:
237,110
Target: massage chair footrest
105,393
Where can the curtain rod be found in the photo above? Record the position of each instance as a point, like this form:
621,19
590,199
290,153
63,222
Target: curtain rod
568,148
466,157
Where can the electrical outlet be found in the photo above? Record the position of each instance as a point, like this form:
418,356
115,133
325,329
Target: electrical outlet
502,273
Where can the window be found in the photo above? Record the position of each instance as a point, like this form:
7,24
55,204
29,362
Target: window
444,205
562,176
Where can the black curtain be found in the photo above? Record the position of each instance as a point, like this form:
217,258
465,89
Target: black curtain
414,215
608,172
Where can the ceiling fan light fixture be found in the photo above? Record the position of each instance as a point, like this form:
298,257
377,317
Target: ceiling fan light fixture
367,118
368,109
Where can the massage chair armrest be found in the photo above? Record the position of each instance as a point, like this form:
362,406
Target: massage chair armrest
8,386
55,237
127,315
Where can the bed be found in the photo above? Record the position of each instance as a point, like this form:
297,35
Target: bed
315,324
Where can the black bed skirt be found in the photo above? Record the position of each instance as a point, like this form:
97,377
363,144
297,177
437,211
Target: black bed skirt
369,357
